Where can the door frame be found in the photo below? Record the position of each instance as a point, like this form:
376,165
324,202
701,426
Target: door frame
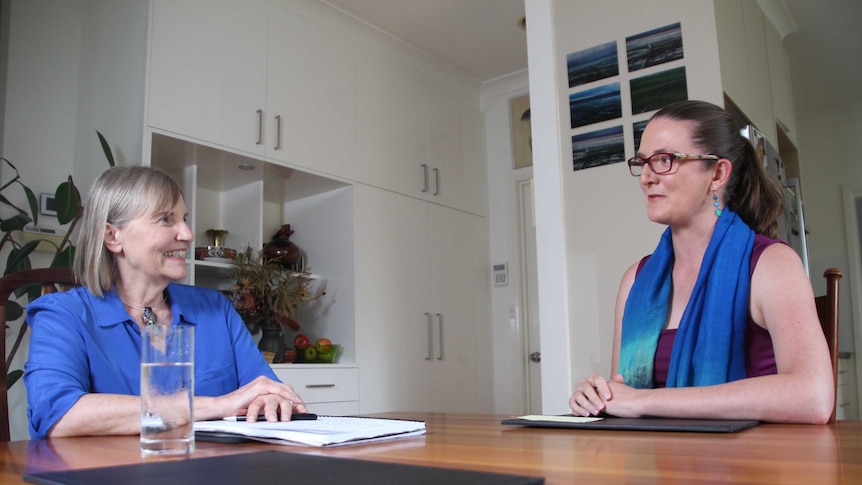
854,272
532,403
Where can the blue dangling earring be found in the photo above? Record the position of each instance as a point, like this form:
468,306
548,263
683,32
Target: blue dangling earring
715,203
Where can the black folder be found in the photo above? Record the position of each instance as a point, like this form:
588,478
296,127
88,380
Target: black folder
276,467
646,424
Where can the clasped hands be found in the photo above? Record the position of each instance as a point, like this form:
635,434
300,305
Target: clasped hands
596,395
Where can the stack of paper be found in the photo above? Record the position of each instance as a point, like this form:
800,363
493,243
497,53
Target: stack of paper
324,431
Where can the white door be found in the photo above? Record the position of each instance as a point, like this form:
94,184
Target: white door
454,344
392,295
311,95
391,125
530,298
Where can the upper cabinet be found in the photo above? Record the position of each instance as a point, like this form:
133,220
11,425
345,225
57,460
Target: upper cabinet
254,77
311,95
207,77
416,136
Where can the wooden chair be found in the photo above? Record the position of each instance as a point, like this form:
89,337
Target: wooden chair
827,310
50,279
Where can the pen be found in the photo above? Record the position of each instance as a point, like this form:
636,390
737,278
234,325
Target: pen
261,417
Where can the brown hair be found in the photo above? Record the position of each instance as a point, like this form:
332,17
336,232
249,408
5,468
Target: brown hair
751,191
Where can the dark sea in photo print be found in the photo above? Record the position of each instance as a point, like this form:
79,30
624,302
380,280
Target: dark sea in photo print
654,47
594,105
597,148
592,64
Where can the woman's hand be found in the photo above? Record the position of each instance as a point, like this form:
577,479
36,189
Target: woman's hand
589,398
262,396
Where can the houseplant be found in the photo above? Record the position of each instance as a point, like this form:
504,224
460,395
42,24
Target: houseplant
69,212
267,295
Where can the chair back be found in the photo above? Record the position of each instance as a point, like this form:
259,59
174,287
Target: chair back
827,310
50,280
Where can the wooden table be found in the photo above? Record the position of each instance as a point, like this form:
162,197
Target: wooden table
769,453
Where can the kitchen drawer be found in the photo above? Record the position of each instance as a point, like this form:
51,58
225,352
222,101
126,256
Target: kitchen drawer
341,408
319,385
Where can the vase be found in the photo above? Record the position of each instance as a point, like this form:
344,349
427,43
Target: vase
281,249
271,344
218,236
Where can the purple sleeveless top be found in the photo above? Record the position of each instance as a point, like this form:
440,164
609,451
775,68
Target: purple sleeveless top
759,354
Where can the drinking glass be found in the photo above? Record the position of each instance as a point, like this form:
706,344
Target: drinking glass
167,390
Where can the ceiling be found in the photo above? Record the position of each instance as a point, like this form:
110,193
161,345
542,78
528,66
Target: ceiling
482,38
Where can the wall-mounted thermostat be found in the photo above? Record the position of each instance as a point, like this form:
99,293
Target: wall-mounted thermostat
48,205
501,274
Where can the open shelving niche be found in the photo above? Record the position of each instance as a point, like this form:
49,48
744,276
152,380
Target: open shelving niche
252,205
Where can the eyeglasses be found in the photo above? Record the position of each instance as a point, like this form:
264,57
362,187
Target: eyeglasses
662,162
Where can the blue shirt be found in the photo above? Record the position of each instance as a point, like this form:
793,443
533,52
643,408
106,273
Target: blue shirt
84,344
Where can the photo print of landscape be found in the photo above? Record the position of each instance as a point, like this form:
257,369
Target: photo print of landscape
654,47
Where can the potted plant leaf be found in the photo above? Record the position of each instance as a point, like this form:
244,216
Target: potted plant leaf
69,211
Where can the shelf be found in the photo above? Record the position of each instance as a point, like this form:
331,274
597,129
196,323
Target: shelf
252,205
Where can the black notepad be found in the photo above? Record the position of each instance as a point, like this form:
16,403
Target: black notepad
646,424
276,467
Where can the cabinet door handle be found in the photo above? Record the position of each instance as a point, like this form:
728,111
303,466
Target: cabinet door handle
425,170
440,336
278,132
430,335
436,181
318,386
259,127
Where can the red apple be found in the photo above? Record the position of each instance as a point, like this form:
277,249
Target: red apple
301,342
323,345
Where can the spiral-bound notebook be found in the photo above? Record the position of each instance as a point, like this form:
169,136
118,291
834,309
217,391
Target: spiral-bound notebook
634,424
325,431
276,467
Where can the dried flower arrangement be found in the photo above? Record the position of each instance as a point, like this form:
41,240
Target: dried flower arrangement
266,294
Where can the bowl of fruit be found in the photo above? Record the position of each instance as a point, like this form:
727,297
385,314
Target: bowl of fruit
322,351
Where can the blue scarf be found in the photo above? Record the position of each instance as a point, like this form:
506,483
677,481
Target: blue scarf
709,347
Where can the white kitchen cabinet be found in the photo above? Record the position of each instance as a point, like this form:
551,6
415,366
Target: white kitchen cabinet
419,293
311,95
207,71
325,389
416,136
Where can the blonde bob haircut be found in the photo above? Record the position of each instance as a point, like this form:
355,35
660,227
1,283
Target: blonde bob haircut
119,195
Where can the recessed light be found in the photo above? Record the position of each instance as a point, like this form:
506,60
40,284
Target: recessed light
246,166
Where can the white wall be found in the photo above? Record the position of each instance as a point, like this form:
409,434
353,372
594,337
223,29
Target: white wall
74,67
604,225
828,142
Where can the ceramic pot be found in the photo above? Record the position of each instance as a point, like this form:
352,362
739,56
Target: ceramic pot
281,249
271,344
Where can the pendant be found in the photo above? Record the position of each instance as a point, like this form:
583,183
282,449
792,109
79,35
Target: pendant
150,317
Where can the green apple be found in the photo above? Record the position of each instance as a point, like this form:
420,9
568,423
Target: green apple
310,353
326,356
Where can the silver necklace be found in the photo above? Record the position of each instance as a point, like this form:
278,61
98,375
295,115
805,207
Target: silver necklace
149,317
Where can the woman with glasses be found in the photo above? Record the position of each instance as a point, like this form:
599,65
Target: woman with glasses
719,321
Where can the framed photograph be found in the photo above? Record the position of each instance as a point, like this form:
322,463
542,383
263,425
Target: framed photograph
638,131
592,64
596,104
596,148
651,92
48,205
522,137
654,47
